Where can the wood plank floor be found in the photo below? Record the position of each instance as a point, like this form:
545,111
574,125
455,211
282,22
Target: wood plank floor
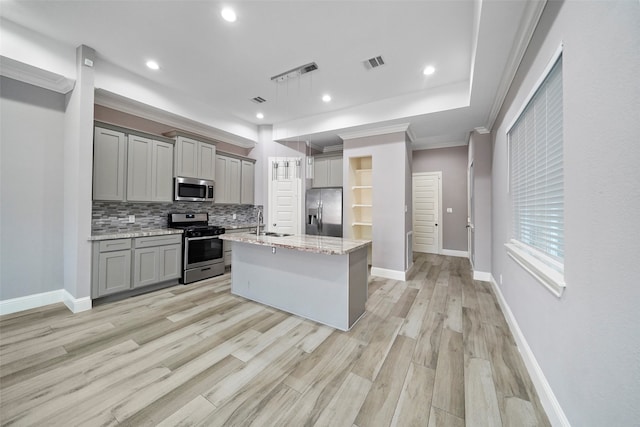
432,351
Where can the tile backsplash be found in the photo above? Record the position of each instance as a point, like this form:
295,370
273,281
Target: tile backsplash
112,217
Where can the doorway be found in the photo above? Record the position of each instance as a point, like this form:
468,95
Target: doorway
427,202
285,188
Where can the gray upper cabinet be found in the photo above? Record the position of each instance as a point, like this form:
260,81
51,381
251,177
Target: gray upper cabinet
194,159
248,183
228,175
149,170
109,156
162,172
327,172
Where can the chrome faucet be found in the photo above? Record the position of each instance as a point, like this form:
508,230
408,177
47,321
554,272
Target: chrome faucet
260,220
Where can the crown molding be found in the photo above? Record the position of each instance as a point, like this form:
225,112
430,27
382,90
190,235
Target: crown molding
383,130
35,76
130,106
528,25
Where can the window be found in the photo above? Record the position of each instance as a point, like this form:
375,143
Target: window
536,183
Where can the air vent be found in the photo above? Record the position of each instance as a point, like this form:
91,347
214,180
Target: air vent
295,72
258,100
374,62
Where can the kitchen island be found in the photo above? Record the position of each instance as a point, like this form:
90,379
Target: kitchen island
316,277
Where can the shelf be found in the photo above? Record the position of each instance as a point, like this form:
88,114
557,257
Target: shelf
362,170
361,206
362,224
361,187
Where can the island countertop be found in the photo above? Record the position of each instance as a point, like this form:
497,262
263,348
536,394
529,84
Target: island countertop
307,243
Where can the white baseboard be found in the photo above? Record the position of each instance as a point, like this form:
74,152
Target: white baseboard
451,252
76,305
545,393
390,274
28,302
484,276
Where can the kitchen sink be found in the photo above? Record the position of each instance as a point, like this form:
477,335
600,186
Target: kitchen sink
272,234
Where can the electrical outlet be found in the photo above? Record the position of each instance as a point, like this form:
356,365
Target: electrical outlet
235,216
132,219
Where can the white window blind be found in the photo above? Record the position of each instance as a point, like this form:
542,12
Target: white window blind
536,171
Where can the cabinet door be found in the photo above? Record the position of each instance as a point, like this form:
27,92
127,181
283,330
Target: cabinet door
335,172
248,183
233,180
139,156
170,257
186,157
207,161
114,272
221,179
320,172
146,267
162,172
108,164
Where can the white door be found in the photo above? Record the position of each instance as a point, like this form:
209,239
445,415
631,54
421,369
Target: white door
426,212
471,215
284,214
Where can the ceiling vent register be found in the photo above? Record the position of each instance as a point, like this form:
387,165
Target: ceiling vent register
258,100
295,72
374,62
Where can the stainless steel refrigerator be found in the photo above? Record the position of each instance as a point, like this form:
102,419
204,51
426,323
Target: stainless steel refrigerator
324,211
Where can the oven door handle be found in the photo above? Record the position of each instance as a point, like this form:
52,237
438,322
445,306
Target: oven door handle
190,239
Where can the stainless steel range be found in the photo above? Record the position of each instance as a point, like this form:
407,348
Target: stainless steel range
203,255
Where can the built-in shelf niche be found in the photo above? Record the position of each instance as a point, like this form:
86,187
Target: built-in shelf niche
360,181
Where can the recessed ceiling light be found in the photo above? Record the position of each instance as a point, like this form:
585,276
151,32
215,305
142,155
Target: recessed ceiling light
228,14
153,65
428,70
260,116
326,98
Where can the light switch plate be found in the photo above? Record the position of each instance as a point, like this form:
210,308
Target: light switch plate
449,210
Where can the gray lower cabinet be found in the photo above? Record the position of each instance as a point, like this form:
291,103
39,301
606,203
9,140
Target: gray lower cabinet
112,267
156,259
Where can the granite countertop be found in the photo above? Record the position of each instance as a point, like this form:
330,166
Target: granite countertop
238,226
307,243
134,233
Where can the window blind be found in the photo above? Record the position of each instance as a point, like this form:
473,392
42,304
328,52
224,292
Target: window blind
536,170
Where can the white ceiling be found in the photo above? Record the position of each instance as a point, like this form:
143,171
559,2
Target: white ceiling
473,45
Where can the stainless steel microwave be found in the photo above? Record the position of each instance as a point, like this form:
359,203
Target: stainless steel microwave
193,189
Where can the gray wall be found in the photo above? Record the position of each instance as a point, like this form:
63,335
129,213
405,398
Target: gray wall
31,189
389,197
587,343
453,164
480,154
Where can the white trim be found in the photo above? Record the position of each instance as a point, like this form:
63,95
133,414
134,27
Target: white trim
28,302
76,305
403,127
424,144
528,24
483,276
35,76
545,393
390,274
552,279
536,86
452,252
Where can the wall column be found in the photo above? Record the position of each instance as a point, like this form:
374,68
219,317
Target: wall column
78,167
